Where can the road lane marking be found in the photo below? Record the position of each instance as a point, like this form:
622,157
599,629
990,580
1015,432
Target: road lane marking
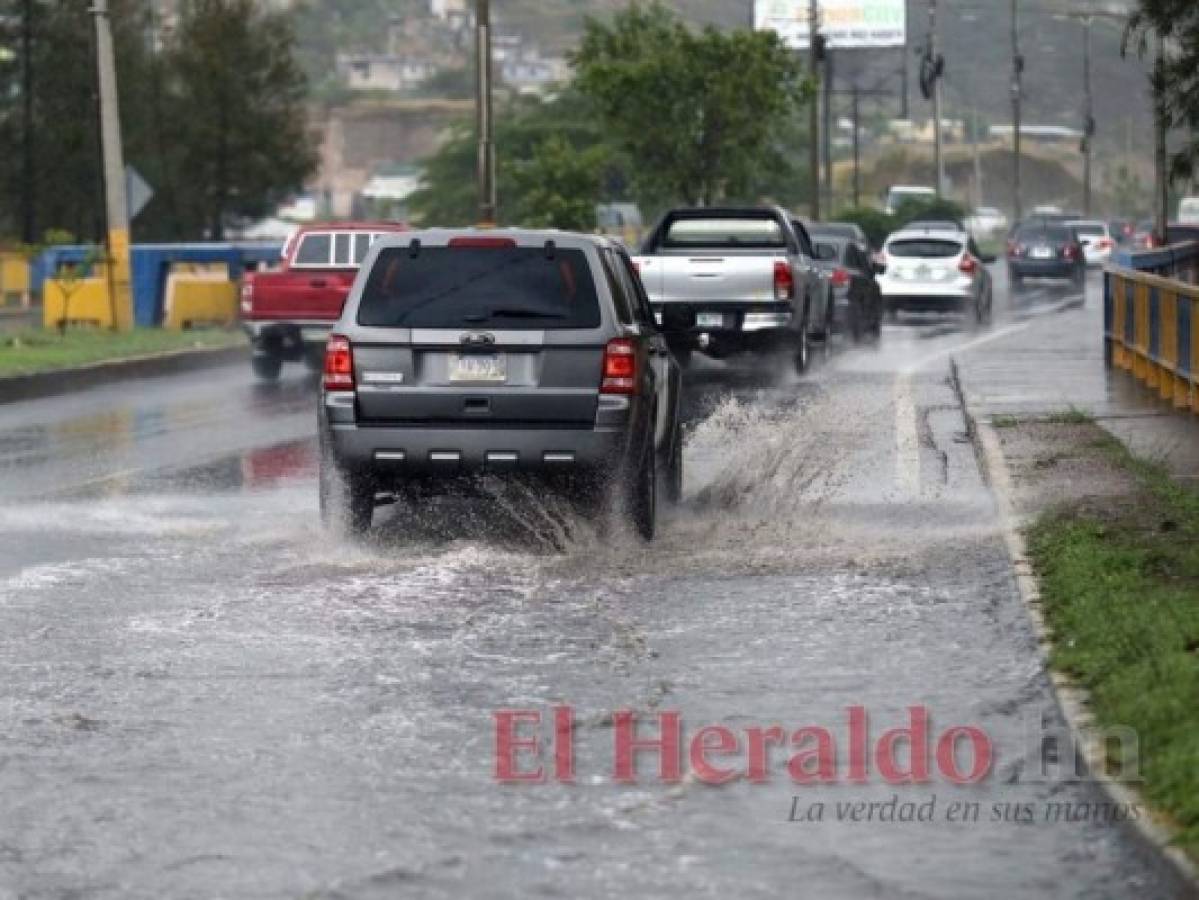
907,438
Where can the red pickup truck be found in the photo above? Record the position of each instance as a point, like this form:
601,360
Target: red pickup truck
289,312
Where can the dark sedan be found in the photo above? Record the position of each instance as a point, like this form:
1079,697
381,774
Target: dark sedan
858,302
1042,250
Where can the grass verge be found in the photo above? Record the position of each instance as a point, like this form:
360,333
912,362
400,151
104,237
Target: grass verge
1120,587
30,352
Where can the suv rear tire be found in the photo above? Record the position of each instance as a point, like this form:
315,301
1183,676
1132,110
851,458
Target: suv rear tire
674,468
643,494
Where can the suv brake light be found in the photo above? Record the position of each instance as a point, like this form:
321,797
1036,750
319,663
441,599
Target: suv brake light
620,367
247,295
840,278
339,364
968,265
1070,252
784,281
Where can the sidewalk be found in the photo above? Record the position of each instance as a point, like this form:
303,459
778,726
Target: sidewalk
1054,365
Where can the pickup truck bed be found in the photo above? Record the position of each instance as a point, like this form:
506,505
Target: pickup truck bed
289,313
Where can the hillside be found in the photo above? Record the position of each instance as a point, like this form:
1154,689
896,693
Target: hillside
975,36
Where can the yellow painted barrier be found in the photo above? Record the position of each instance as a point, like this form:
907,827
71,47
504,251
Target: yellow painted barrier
76,301
1153,332
202,298
14,279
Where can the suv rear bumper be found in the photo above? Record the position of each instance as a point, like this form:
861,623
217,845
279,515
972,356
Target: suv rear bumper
458,451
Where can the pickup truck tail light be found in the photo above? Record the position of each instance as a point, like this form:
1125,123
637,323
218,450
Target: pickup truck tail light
339,364
840,278
620,367
968,265
784,281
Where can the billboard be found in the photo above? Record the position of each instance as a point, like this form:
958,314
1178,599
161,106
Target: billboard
845,23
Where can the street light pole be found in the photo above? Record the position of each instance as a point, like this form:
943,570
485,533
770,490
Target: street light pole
1088,119
119,289
814,111
484,122
1017,90
938,156
28,170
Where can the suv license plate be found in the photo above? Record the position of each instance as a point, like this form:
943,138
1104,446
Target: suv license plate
477,367
710,320
1042,253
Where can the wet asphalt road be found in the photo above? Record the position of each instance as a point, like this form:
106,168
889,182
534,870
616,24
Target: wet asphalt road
203,695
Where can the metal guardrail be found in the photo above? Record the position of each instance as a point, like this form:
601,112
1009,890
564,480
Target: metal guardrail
1151,322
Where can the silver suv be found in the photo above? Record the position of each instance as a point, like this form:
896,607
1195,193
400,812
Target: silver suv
463,352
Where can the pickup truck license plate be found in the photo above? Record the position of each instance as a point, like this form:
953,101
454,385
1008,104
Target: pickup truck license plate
479,367
1042,253
709,320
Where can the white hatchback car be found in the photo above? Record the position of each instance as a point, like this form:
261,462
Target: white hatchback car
935,270
1096,239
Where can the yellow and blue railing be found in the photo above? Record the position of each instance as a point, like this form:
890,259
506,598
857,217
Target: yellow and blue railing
1151,321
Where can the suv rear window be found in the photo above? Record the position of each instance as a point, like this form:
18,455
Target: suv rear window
472,287
724,232
924,249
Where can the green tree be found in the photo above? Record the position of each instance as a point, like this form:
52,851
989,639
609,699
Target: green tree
239,120
700,112
554,165
1174,81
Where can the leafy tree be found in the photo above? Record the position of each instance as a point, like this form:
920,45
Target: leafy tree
1176,81
554,165
239,120
700,112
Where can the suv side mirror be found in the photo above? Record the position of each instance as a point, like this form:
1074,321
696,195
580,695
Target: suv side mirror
677,318
826,252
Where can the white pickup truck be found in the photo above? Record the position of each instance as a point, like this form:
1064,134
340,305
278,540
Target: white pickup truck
748,276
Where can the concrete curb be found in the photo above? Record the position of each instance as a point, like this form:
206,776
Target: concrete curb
1072,700
67,381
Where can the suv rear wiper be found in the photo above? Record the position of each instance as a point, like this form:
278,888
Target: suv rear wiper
513,314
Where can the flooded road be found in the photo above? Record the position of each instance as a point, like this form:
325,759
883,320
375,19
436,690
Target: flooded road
204,695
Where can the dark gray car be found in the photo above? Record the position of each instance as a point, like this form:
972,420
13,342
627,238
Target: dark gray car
462,353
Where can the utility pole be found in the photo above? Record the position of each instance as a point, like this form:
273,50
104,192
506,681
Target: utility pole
857,147
814,112
1088,126
827,130
119,291
484,122
1017,91
1161,155
938,155
28,167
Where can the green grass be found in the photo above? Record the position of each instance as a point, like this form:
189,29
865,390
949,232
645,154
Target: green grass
1071,416
1121,593
28,352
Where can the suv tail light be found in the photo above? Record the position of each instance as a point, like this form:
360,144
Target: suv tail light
620,367
247,294
1013,249
968,265
784,281
339,364
1105,244
1070,252
840,278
